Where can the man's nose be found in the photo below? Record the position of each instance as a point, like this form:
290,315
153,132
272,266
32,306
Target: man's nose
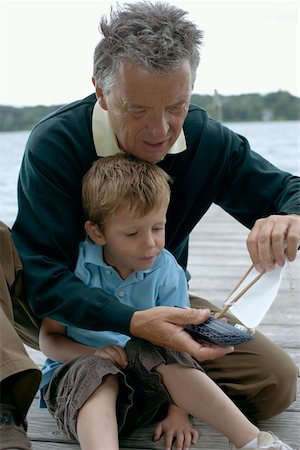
159,126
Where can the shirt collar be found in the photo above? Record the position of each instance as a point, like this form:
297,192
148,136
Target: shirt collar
105,140
93,254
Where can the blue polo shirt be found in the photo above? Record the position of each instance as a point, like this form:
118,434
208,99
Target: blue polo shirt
163,284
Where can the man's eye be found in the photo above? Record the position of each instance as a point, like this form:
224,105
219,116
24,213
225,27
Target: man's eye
131,234
136,111
177,108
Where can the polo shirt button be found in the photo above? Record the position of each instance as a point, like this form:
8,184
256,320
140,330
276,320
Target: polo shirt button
121,294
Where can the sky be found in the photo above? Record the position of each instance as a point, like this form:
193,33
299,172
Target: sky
46,47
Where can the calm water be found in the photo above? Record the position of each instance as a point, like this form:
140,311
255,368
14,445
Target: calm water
279,142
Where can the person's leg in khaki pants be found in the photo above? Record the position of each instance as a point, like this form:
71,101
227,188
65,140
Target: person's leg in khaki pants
19,377
258,376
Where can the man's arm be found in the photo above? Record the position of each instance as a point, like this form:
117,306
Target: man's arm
49,227
265,199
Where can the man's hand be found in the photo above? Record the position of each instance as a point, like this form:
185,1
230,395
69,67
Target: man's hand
164,326
273,238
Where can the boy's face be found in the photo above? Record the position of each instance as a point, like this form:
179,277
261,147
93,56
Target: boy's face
132,243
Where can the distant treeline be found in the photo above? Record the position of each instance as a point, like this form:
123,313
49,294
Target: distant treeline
279,105
235,108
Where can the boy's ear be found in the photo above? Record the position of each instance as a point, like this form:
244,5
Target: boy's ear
100,95
94,233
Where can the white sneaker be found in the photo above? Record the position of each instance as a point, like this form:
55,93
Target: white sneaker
268,441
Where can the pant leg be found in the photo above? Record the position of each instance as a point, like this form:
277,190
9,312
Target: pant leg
259,376
18,373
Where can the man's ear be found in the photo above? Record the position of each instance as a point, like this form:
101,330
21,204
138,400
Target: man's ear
94,233
100,95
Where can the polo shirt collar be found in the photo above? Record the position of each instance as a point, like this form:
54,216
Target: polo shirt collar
105,140
93,254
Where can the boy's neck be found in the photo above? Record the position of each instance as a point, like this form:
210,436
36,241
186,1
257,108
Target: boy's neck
124,274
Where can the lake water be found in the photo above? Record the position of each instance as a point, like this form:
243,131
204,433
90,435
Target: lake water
279,142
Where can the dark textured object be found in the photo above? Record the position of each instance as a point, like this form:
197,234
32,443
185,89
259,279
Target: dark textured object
218,332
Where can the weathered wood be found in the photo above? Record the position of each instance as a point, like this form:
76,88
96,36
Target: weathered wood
44,433
218,258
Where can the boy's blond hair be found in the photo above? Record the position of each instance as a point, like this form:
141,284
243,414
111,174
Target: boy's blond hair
123,181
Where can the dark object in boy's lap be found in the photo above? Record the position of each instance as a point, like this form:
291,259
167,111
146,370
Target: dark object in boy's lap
216,331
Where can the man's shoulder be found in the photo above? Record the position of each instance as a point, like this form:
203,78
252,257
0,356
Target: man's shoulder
198,115
69,127
198,124
73,112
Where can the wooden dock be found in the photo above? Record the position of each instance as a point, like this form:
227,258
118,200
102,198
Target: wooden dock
218,258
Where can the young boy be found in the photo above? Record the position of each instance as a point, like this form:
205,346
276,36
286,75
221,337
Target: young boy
98,384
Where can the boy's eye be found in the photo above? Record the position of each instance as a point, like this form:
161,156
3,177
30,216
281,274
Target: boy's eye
131,234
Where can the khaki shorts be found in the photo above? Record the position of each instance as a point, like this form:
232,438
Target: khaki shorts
142,395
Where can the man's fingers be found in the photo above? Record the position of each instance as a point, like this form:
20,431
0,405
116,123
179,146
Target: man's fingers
204,353
272,239
259,245
154,318
278,242
192,316
293,238
164,326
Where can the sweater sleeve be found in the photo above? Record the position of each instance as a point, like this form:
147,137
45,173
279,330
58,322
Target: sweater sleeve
173,290
254,188
49,227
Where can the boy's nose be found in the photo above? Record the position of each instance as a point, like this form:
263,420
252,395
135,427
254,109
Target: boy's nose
149,241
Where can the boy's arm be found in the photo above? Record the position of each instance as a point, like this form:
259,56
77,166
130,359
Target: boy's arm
176,425
55,344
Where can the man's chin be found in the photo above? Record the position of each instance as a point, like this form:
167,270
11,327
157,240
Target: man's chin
150,156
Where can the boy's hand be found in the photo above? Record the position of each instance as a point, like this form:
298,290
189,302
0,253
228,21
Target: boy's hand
115,354
176,426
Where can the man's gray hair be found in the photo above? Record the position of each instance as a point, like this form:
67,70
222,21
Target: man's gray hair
157,36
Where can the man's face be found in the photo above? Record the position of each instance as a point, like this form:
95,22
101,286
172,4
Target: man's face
147,110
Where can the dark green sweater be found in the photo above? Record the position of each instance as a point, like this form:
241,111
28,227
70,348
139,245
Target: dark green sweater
217,167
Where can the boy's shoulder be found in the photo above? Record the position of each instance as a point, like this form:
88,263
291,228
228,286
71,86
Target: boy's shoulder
166,258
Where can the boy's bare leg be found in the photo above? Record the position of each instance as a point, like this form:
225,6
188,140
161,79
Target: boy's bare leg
97,421
194,392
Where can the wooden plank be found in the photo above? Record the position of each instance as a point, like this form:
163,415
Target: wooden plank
44,434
